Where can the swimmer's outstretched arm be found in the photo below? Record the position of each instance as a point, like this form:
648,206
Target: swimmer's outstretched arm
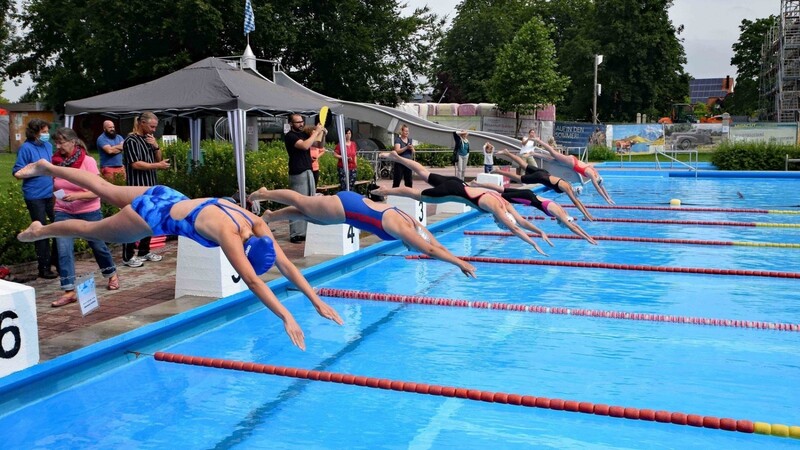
500,215
575,228
529,226
231,244
434,249
290,271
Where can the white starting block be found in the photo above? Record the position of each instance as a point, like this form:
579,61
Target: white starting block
19,335
204,272
338,239
452,208
490,178
414,208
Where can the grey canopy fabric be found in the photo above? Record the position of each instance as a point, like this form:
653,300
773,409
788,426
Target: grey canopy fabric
209,84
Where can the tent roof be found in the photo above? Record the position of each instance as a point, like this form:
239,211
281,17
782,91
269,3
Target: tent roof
209,84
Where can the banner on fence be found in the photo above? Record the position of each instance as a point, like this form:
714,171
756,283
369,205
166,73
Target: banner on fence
637,138
577,134
691,135
779,133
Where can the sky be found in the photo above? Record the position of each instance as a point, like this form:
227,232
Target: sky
711,27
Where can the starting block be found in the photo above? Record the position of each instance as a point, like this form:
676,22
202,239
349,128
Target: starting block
413,208
204,272
452,208
19,333
338,239
490,178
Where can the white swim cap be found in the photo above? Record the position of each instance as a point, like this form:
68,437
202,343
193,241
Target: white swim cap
503,226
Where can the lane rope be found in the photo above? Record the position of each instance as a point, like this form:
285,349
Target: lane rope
620,412
641,239
714,223
605,314
690,209
614,266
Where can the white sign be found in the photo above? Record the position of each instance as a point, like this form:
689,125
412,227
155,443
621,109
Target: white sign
87,296
19,335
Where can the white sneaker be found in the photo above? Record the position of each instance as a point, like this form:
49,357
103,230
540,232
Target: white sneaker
135,261
154,257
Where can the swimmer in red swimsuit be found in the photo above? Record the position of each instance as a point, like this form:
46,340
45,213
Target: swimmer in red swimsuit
580,167
451,189
384,221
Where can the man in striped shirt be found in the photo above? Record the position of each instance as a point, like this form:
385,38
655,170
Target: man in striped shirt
143,160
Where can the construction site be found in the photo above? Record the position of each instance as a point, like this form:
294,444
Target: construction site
780,67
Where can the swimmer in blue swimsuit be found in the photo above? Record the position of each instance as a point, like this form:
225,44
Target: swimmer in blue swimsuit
529,198
386,222
452,189
246,241
535,175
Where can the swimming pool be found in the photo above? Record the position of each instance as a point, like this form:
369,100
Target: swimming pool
735,372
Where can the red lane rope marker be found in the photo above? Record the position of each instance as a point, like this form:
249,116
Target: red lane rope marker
638,267
605,314
677,208
663,221
620,412
643,239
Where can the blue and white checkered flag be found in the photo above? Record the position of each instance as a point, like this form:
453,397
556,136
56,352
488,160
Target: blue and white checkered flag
249,18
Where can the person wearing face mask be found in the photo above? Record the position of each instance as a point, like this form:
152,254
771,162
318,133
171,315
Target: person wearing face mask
109,144
38,191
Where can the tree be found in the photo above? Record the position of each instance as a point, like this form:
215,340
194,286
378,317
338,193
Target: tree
467,54
6,11
525,77
747,59
362,51
78,49
642,71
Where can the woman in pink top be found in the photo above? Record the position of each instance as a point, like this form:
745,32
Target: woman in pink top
74,202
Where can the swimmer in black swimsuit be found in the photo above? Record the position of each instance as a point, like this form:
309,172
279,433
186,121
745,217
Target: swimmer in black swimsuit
386,222
213,222
535,175
451,189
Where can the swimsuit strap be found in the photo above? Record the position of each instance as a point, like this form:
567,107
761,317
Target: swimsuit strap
226,208
402,213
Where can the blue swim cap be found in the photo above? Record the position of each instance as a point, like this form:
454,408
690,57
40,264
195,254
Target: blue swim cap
260,252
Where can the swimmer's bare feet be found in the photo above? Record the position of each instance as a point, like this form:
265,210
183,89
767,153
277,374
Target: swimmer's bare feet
29,234
503,152
392,155
267,216
33,169
259,195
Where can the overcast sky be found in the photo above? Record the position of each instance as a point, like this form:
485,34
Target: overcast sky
711,27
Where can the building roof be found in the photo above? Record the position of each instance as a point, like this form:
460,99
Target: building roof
700,90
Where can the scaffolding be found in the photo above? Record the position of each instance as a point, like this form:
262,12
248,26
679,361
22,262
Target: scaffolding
780,67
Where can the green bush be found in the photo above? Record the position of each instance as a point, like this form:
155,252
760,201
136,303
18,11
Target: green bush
14,218
601,153
753,155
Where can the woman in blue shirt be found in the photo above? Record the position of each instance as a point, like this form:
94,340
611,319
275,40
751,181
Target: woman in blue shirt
38,191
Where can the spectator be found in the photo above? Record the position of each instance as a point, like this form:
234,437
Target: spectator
528,150
404,147
74,202
461,151
301,176
109,144
488,157
143,160
38,191
352,164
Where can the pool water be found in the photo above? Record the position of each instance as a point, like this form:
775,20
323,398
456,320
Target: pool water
715,371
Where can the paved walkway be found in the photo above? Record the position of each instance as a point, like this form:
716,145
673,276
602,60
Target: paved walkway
147,293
